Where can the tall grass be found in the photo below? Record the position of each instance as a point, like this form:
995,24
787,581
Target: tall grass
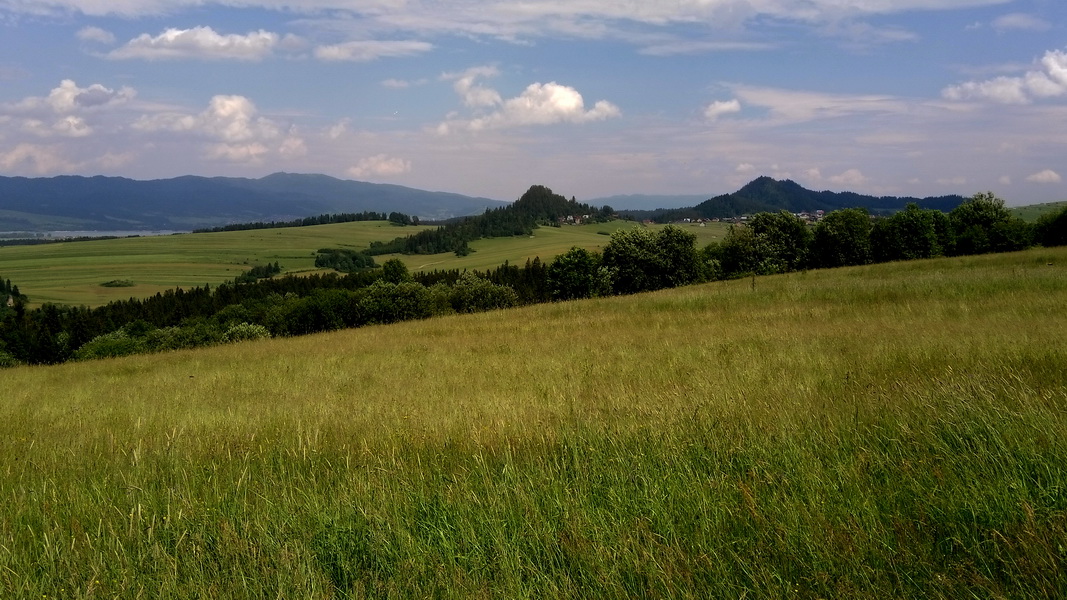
889,431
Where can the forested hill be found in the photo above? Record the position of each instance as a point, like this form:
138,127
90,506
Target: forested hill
538,206
766,194
108,203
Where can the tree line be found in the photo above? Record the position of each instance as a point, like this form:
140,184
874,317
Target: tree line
539,206
634,260
324,219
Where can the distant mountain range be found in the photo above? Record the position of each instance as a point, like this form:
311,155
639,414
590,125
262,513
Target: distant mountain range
765,194
182,203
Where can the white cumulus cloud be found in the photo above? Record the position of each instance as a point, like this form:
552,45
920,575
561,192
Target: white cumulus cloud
69,97
473,94
1046,176
227,118
66,111
1049,81
199,43
539,104
233,129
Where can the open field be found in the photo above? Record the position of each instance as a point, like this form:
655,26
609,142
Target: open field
546,243
1033,212
890,431
71,273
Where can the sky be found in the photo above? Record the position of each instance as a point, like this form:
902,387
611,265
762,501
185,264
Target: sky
588,97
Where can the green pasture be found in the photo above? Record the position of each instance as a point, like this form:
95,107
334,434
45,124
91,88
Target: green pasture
889,431
1033,212
546,243
71,272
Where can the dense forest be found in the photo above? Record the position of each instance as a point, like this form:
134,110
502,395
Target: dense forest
539,206
325,219
634,260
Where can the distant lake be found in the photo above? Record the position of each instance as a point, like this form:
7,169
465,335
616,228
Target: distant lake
61,235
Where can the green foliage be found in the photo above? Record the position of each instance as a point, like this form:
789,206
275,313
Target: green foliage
1051,229
243,332
387,302
769,243
321,310
463,248
10,294
910,234
741,253
193,334
110,345
140,337
575,274
786,239
259,272
538,206
634,259
8,360
982,224
402,220
395,271
472,293
642,260
117,283
323,219
842,238
344,260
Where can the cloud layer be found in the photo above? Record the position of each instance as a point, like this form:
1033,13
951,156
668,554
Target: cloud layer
1047,81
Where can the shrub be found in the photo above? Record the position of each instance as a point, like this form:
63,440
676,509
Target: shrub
387,302
7,360
243,332
1051,229
475,294
190,335
109,345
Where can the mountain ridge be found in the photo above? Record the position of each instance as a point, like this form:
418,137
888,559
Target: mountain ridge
189,201
766,194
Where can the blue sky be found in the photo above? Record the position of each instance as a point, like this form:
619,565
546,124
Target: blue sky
589,97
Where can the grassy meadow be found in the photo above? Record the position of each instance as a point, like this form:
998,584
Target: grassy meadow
72,272
889,431
1033,212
